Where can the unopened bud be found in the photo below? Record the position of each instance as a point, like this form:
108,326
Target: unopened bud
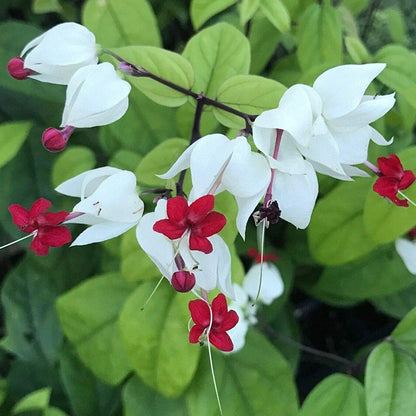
55,140
17,70
183,281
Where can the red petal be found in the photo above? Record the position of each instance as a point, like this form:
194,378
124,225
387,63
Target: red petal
39,247
400,202
212,224
169,229
177,209
194,334
39,207
20,215
407,180
221,340
390,166
200,312
230,321
55,218
200,208
55,236
219,307
200,243
386,186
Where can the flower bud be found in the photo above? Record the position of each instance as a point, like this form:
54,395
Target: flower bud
17,70
183,281
55,140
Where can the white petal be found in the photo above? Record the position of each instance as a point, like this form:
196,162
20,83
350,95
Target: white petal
271,284
342,88
101,232
294,115
296,196
238,333
246,206
85,219
369,110
329,172
407,251
115,199
353,146
156,245
181,164
247,173
377,138
354,171
241,298
85,183
96,96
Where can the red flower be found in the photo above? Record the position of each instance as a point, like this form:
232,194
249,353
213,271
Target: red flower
254,254
198,219
45,226
222,320
393,179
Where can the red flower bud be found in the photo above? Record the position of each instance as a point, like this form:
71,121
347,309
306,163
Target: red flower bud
183,281
55,140
17,70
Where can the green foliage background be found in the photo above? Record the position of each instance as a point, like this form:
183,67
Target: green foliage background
75,340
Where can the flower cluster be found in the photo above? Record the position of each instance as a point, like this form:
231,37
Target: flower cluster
323,128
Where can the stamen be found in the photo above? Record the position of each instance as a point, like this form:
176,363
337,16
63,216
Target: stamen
20,239
407,198
260,236
153,292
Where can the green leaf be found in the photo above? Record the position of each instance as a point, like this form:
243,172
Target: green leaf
405,332
390,383
277,13
319,36
385,221
46,6
247,8
156,338
336,395
38,400
121,23
73,161
12,137
53,411
396,24
202,10
336,232
244,382
356,50
398,75
126,160
216,54
140,400
355,6
88,315
159,161
135,263
162,63
247,93
377,274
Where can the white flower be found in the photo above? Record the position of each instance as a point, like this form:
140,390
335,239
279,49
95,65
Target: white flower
57,54
407,251
328,123
211,270
95,96
217,164
109,203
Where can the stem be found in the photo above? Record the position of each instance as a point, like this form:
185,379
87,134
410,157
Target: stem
372,167
268,196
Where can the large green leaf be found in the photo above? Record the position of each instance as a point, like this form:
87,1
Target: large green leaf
255,381
72,162
405,332
247,93
277,13
162,63
357,50
319,36
12,136
38,400
336,395
121,23
88,315
390,383
378,274
202,10
385,221
140,400
247,9
336,233
398,75
217,53
156,338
